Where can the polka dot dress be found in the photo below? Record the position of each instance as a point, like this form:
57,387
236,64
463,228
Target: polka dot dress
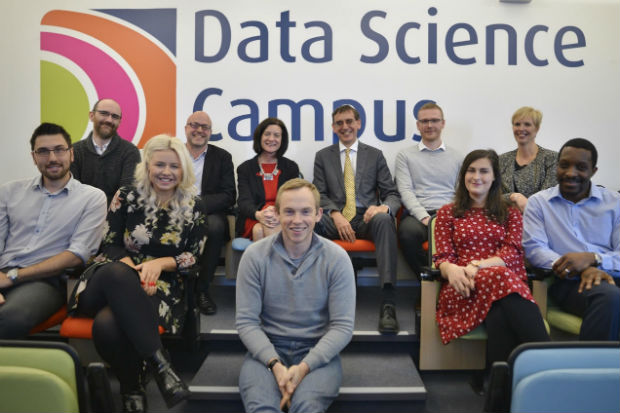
476,237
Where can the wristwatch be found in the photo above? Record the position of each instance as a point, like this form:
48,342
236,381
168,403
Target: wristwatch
597,259
12,275
272,363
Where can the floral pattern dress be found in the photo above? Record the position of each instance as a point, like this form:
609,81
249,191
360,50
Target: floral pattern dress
476,237
127,233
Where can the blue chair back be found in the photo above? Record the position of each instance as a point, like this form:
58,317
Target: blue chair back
566,377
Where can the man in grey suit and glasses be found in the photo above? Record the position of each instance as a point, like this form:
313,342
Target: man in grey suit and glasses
359,200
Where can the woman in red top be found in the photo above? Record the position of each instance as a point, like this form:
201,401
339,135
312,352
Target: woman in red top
259,179
479,254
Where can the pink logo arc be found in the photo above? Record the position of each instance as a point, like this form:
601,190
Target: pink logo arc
120,61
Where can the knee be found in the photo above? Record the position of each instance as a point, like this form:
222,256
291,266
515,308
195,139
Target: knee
607,296
117,274
383,220
217,226
411,230
14,325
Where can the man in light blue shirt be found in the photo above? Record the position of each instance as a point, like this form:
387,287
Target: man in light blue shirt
574,229
47,224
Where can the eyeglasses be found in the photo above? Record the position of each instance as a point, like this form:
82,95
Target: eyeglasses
433,121
203,126
45,152
105,114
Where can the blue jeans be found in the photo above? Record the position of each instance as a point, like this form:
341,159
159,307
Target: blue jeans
260,392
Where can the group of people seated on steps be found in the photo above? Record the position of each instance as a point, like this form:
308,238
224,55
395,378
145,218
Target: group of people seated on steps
295,303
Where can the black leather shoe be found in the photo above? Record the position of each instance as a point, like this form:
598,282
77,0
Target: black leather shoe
387,319
206,304
134,401
172,388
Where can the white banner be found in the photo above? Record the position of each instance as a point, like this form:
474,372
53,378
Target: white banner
242,61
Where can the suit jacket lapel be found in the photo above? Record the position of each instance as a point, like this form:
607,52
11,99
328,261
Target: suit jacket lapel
362,155
208,166
335,160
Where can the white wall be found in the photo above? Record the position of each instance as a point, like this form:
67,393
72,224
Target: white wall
478,99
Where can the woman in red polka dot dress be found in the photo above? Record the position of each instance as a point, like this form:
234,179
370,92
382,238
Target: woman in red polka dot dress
479,254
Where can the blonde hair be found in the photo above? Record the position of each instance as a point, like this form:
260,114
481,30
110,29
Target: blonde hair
528,112
181,205
297,183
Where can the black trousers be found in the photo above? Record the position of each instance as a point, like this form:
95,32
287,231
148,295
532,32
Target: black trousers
511,321
218,234
125,330
412,234
599,307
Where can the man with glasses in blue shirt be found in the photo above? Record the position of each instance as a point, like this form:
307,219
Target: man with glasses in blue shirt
47,224
215,181
104,159
426,176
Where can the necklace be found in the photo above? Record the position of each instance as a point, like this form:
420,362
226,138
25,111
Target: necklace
268,176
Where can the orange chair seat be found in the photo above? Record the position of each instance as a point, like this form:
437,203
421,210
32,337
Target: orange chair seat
425,245
81,327
55,319
360,245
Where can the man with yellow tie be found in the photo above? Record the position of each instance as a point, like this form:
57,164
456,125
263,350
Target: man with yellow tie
359,200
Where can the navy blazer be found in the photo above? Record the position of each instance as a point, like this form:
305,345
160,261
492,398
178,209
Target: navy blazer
373,181
218,190
251,189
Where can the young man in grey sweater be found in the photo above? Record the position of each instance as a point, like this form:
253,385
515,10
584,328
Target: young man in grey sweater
426,176
295,310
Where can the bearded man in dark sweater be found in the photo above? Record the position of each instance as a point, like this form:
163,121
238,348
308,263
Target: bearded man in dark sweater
104,159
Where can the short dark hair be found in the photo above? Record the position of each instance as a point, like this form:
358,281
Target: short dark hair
47,128
345,108
260,129
582,144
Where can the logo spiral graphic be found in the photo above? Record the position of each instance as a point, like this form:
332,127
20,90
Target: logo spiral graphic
126,55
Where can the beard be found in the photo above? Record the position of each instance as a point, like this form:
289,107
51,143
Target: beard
62,171
103,132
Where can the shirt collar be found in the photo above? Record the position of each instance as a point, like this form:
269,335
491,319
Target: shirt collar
422,147
202,154
102,147
37,184
554,193
353,147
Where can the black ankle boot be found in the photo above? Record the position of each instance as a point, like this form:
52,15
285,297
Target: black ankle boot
172,388
134,402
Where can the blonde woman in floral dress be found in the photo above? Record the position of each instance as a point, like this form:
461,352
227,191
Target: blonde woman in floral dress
154,229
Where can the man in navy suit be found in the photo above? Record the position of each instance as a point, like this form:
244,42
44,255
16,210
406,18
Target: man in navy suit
215,180
376,202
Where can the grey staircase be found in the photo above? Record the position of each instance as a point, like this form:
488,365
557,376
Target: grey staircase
375,367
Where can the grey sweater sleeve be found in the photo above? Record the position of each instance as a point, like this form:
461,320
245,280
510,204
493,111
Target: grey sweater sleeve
249,292
341,312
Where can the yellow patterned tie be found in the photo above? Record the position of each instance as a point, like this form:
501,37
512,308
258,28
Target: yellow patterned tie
349,187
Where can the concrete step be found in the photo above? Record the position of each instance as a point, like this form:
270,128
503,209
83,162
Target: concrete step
221,326
367,376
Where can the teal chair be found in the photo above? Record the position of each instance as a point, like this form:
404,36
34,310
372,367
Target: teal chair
579,376
38,376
